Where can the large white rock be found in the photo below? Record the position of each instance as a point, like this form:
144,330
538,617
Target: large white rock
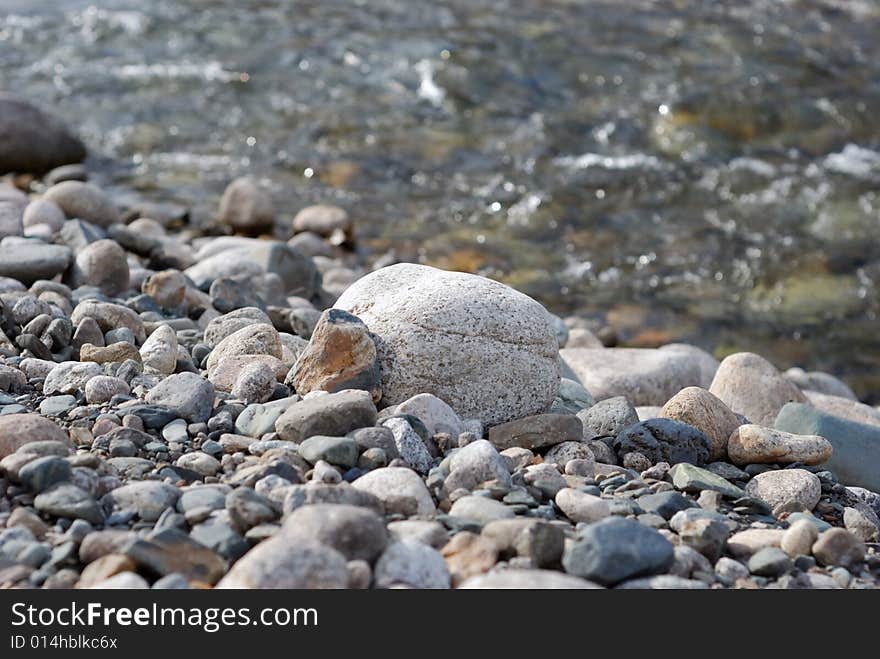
645,376
484,348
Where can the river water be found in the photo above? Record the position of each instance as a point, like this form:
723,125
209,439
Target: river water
700,171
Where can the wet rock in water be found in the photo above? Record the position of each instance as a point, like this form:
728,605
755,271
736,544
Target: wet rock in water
16,430
538,431
186,394
275,563
644,376
608,417
329,414
664,440
32,261
700,409
855,458
750,385
397,487
102,264
340,355
34,141
616,549
83,201
753,444
485,349
786,485
246,208
434,413
159,351
413,564
839,547
355,532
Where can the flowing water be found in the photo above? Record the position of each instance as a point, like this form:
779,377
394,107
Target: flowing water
701,171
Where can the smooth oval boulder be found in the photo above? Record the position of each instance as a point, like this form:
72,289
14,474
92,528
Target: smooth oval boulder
484,348
751,443
83,201
33,141
783,486
704,411
16,430
750,385
645,376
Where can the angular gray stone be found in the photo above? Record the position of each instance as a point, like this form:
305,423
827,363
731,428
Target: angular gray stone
608,417
186,394
340,451
664,440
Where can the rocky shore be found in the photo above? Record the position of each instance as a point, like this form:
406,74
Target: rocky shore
251,405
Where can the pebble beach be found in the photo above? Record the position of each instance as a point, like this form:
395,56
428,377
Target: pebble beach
250,404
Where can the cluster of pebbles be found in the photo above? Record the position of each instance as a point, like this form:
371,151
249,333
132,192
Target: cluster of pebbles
246,406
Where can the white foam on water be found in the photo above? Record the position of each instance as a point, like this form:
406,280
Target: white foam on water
854,161
629,161
428,89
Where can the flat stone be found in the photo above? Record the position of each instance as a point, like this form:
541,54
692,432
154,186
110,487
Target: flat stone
689,478
32,261
616,549
480,509
171,551
753,444
148,498
330,414
745,543
535,432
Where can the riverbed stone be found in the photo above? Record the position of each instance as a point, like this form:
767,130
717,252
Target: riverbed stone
329,414
702,410
392,485
538,431
186,394
750,385
753,444
484,348
786,485
664,440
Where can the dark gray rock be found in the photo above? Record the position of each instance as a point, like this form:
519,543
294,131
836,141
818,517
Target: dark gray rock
32,140
617,549
188,395
665,504
333,415
664,440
